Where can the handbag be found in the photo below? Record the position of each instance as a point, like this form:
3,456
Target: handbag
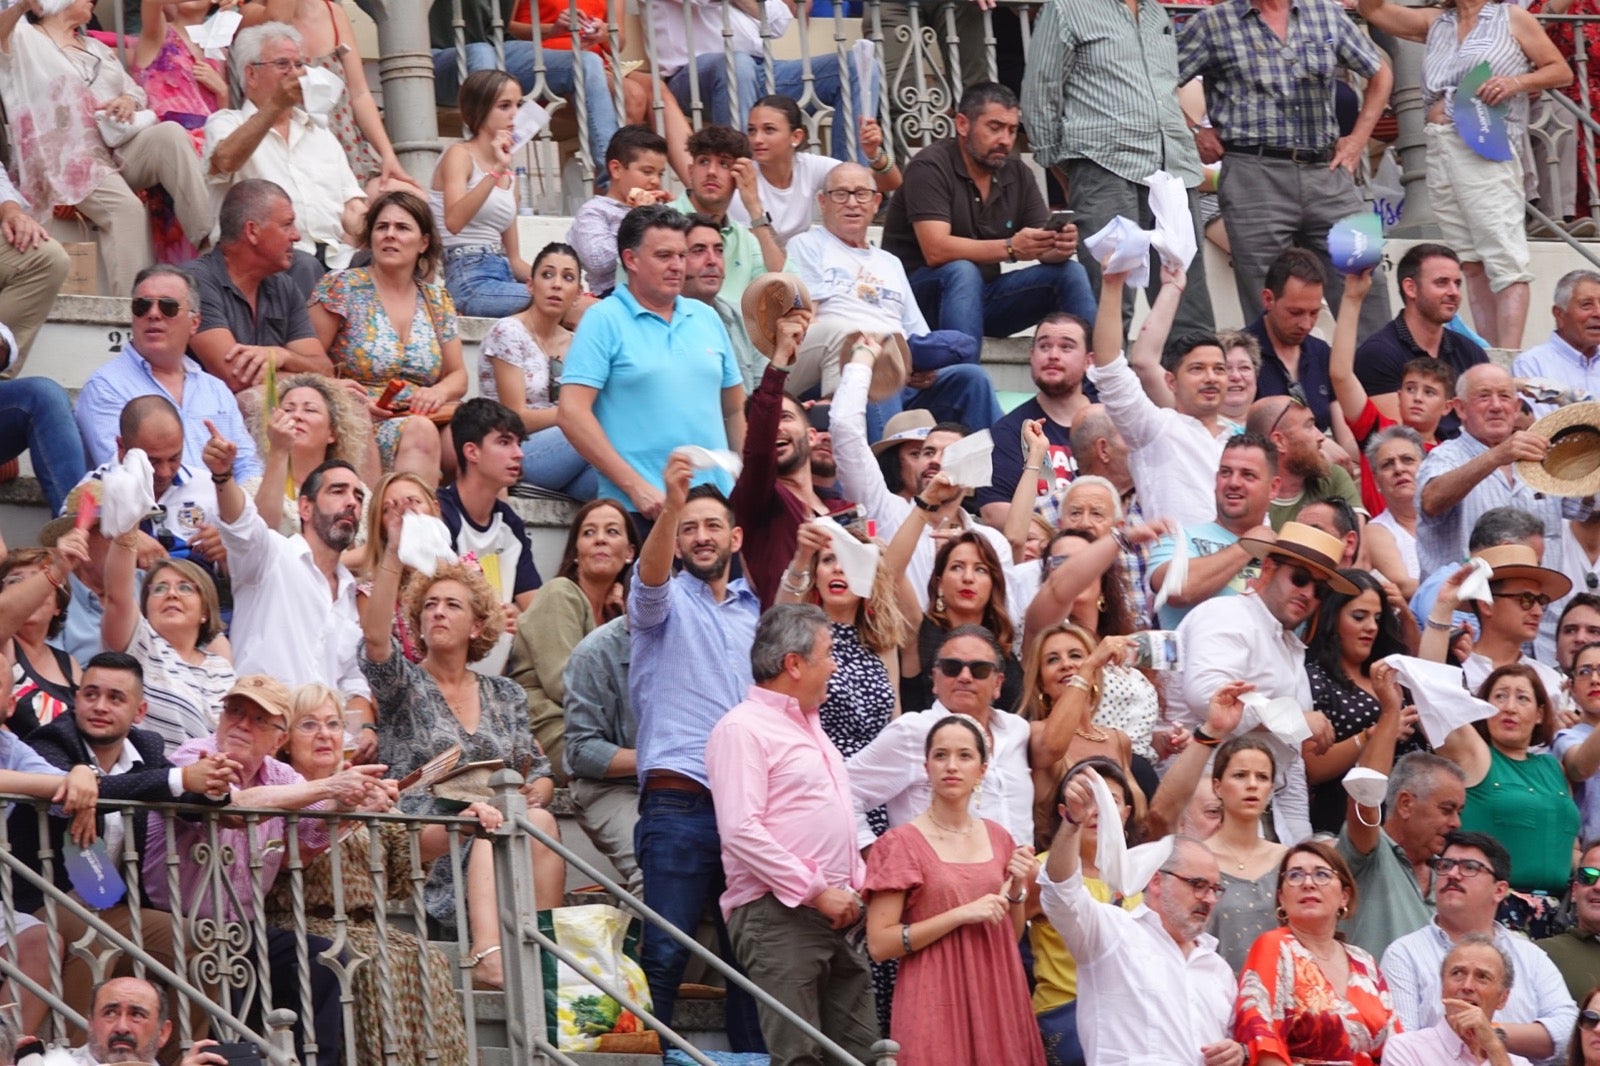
446,411
116,134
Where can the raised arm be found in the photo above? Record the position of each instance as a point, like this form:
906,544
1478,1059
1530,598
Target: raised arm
1145,353
655,557
1408,23
1362,823
1347,388
1183,776
377,611
1048,740
1020,515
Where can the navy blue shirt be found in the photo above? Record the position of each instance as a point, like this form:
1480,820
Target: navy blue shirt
1273,378
1007,434
467,535
1382,356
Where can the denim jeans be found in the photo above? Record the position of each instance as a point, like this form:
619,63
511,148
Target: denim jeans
955,296
482,285
960,393
551,462
36,417
680,854
599,109
788,80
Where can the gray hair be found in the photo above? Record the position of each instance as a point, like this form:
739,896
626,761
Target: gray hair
1376,442
1482,940
1084,480
1504,525
167,270
248,46
1416,773
786,629
1470,376
1569,284
247,201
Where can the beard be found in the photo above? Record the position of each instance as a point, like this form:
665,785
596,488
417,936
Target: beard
1057,390
1307,465
708,574
333,530
824,467
799,458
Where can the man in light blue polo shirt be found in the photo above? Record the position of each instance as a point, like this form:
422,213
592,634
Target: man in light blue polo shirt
650,370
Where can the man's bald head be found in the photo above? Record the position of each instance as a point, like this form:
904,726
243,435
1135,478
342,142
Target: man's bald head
849,221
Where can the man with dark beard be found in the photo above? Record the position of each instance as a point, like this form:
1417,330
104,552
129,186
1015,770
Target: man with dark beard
294,603
1304,472
690,662
774,493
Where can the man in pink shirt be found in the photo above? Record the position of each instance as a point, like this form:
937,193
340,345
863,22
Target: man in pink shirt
788,842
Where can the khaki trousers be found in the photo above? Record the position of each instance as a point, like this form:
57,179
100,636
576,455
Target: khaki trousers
29,282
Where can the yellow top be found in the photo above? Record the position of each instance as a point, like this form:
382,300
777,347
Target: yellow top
1055,971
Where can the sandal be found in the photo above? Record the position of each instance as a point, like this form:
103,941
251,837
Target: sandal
480,984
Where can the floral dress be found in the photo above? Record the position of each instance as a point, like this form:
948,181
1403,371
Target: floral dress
1286,1006
175,96
367,346
363,158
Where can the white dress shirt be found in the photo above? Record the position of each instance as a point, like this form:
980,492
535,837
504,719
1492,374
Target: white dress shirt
1235,638
286,621
1437,1045
1142,1001
891,770
1539,994
704,18
1173,457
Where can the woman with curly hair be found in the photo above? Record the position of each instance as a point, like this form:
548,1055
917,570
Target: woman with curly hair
314,421
427,707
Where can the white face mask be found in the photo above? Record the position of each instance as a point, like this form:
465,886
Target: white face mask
1366,787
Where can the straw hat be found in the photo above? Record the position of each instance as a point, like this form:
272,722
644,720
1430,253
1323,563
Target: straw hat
268,693
57,527
1303,544
1511,562
903,428
771,296
767,299
1572,465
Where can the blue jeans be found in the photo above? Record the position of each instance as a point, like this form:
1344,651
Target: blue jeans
955,296
483,285
599,110
36,417
551,462
960,393
680,855
788,80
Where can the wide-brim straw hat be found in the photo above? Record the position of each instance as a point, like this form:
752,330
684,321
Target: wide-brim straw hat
1572,465
904,428
767,299
1512,562
1306,545
57,527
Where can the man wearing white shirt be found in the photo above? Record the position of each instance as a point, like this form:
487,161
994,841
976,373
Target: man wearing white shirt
1152,990
1475,979
1471,878
1172,452
889,771
702,51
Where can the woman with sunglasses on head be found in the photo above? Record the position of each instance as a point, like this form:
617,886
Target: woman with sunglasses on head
946,895
44,678
1304,994
1242,775
1519,796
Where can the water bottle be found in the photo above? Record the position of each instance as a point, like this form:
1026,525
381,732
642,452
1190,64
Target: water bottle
524,192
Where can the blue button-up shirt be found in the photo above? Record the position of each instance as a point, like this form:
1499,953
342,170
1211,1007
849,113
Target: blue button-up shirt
691,664
128,376
1559,361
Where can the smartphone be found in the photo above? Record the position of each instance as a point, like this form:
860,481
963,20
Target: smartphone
241,1053
1059,220
1154,649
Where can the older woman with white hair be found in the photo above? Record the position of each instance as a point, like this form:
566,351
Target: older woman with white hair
1395,455
83,135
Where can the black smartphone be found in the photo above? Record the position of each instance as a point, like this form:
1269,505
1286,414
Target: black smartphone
240,1053
1060,220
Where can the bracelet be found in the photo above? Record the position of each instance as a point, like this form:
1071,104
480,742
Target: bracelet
1202,738
854,348
1123,543
924,504
1036,467
905,937
1066,812
1014,900
392,569
222,479
1443,627
1077,681
882,157
367,725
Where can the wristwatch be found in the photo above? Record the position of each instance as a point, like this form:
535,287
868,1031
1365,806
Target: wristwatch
1011,253
763,219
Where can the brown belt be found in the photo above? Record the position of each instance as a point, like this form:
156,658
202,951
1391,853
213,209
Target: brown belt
669,781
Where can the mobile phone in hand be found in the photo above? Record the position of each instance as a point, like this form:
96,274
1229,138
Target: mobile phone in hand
1060,220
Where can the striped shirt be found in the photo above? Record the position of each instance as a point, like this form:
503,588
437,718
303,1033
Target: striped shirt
1107,93
1445,62
1442,539
184,698
1238,54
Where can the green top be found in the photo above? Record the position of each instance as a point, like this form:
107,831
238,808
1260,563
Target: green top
741,256
1390,903
1527,805
1337,482
1577,956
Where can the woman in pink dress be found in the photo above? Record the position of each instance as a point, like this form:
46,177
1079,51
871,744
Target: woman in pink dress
945,896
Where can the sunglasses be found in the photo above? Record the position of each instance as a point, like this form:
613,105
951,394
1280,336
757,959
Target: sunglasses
1300,577
982,669
1586,876
1297,398
169,306
1588,1019
1526,600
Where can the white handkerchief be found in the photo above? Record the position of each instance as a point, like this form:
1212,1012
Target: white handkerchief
1126,870
320,91
424,540
969,462
216,33
1283,717
1122,247
1173,236
127,495
1443,702
531,121
859,560
1177,568
711,458
1476,585
864,54
1366,787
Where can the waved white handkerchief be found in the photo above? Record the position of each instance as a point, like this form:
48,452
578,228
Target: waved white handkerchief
859,560
216,33
1283,717
116,134
969,462
1173,236
1438,690
1121,247
127,494
531,121
424,540
1177,568
320,90
1366,787
864,56
1476,585
711,458
1127,870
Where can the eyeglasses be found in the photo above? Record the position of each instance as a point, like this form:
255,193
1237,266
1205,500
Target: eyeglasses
1586,876
1321,876
169,306
1585,671
1588,1019
1469,868
1297,398
259,720
1525,600
1300,577
1201,886
982,669
844,196
308,727
182,588
282,66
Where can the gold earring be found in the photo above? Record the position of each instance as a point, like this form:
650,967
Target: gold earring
938,602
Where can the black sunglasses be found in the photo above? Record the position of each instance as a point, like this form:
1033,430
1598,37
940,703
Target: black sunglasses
1300,577
1588,1019
982,669
169,306
1586,875
1297,398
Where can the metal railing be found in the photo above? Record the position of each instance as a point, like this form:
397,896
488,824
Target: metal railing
217,968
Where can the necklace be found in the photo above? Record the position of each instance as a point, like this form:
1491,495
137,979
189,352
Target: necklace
946,829
1094,734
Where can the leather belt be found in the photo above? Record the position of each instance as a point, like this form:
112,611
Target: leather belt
1304,156
670,781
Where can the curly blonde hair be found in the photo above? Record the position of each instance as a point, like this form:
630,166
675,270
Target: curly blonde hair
351,432
486,607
